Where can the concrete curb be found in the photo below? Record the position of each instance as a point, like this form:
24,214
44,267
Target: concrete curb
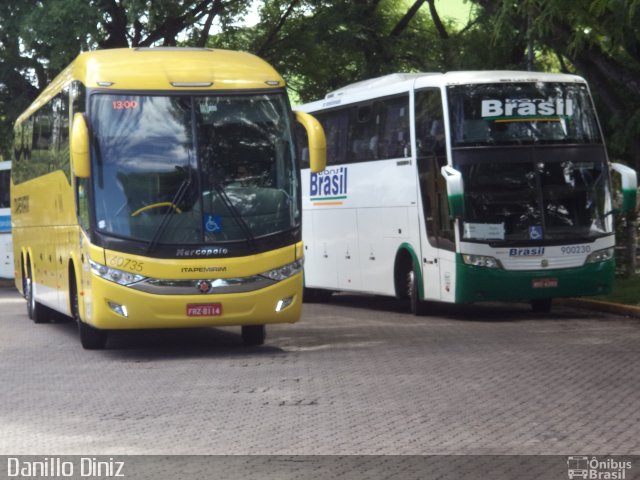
600,306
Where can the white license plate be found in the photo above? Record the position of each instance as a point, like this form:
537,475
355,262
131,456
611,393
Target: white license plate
544,282
204,309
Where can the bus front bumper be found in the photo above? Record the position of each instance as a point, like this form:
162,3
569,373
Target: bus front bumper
277,303
477,284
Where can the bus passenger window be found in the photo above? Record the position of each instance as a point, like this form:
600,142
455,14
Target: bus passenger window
430,138
336,125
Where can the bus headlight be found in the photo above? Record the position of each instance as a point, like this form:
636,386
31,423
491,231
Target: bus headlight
481,261
114,275
284,272
600,255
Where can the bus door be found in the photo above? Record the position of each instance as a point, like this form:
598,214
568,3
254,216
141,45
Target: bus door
438,238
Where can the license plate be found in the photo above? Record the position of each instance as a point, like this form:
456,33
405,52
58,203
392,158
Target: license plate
204,309
544,283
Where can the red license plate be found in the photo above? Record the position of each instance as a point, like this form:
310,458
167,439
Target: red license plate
544,283
204,309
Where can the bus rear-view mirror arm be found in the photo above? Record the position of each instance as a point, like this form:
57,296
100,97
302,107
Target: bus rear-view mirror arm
317,141
454,190
629,186
80,146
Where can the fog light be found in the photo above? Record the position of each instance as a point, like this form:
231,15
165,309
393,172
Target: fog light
119,309
284,303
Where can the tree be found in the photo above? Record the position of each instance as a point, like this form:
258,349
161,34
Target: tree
597,39
40,37
319,46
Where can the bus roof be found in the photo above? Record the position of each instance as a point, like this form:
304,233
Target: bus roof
164,68
396,82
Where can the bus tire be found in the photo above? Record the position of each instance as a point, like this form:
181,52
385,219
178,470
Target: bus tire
36,311
91,338
316,295
253,335
541,305
417,306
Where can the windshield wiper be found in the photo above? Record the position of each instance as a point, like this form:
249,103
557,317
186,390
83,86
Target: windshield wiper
182,189
234,213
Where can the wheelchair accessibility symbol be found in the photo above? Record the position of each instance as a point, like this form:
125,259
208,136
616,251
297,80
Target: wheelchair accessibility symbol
212,223
535,232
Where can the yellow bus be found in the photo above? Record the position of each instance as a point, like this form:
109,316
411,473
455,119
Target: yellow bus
160,188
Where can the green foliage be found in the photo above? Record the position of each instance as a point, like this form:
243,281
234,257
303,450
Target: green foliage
598,39
625,290
321,45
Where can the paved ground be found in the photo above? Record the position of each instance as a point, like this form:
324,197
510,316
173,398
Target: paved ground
356,376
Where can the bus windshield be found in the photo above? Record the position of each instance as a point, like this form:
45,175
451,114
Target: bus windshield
193,169
535,200
521,113
532,161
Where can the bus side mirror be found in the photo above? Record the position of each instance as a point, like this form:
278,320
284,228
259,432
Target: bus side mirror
455,190
80,146
629,186
317,141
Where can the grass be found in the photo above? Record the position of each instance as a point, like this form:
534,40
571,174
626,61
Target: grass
625,290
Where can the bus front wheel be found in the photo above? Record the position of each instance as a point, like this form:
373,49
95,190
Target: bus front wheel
91,338
417,306
253,334
541,305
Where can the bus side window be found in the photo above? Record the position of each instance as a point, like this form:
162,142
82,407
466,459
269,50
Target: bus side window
18,153
42,141
393,128
336,124
5,185
302,145
430,139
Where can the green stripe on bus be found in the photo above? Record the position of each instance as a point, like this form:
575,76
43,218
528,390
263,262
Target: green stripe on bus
318,199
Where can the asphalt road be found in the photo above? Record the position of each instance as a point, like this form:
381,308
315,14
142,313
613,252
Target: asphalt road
357,376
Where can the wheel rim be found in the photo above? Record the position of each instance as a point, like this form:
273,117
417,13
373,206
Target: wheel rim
411,280
31,301
74,305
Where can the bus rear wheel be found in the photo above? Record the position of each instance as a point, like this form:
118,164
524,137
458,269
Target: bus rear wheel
91,338
36,311
253,334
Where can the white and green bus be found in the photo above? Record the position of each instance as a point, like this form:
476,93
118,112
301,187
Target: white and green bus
462,187
6,248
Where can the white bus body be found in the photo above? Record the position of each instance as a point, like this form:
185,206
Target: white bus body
6,247
461,187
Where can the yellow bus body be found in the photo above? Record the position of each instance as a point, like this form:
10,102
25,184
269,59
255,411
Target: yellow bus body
48,239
